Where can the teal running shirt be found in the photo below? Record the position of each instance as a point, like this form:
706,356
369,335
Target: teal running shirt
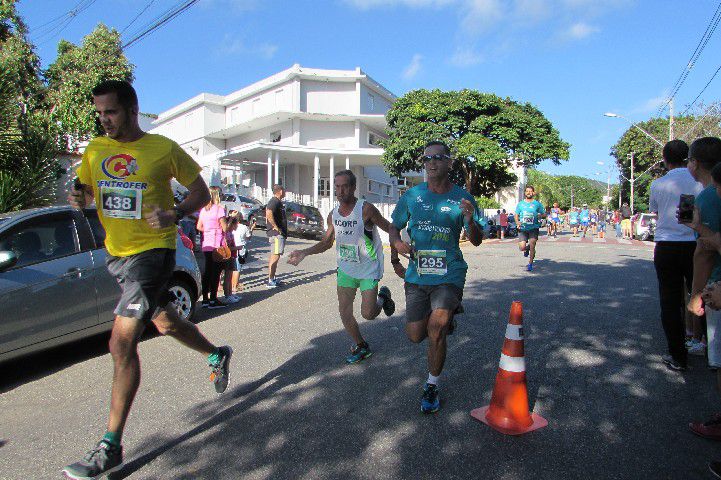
528,214
709,206
434,223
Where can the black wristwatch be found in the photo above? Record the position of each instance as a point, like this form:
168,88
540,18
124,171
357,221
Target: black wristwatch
179,214
395,260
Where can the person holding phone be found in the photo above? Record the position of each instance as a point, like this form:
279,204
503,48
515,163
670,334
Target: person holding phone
674,250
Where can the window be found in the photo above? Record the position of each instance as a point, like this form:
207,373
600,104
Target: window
96,227
40,240
371,102
275,136
380,188
374,139
324,187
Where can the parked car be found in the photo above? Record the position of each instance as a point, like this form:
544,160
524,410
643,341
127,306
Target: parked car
304,220
644,226
54,287
252,209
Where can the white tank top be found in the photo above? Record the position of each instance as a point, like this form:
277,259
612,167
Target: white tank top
359,251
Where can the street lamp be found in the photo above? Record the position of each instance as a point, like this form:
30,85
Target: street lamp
616,115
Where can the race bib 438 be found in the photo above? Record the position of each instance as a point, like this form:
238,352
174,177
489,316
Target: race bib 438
121,202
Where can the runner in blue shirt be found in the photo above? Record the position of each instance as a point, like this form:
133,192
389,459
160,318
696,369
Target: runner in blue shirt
529,213
554,221
573,221
434,212
585,218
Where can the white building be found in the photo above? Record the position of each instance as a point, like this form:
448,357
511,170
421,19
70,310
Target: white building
295,128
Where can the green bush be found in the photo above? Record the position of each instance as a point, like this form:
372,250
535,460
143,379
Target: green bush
486,202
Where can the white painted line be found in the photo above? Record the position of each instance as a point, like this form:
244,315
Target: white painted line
599,240
624,241
574,239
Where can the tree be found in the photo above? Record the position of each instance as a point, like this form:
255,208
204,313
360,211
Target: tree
486,134
73,75
558,188
647,154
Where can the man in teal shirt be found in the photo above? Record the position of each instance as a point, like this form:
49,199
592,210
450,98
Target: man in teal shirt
529,213
434,212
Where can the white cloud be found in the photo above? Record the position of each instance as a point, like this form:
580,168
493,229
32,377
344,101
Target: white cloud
466,57
532,11
414,67
480,15
650,105
579,31
237,46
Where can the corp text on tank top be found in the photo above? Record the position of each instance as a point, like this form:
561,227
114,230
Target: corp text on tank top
359,252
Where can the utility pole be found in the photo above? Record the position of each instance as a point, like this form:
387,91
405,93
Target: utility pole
630,155
670,121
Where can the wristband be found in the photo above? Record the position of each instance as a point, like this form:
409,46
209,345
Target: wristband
395,260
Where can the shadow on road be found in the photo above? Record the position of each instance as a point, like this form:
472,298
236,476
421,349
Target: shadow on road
593,344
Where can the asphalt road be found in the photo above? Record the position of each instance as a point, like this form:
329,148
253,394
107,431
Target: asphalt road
294,410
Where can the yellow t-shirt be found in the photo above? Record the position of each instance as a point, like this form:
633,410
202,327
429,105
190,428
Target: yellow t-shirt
128,178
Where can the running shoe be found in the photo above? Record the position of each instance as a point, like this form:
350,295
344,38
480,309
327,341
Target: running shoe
220,370
273,283
529,267
697,348
213,304
672,364
710,429
389,306
431,401
101,460
204,304
358,353
232,299
527,252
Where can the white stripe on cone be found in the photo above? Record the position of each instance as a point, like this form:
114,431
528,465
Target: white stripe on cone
512,364
514,332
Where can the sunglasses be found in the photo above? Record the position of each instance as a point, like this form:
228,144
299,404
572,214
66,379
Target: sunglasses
437,156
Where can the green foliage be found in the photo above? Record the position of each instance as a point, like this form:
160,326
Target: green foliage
487,135
487,202
648,154
558,188
29,170
73,75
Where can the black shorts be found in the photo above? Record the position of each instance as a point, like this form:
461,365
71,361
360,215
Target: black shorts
143,279
525,235
421,300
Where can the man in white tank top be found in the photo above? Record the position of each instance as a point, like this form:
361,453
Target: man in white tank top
353,226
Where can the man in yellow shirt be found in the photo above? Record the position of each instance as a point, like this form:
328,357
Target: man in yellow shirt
128,173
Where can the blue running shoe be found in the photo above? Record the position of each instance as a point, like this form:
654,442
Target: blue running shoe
431,401
529,267
358,353
527,251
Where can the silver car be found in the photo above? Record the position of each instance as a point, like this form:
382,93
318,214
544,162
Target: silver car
252,209
54,287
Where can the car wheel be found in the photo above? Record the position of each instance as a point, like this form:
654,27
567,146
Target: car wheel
182,298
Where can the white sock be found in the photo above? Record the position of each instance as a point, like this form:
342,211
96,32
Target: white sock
434,380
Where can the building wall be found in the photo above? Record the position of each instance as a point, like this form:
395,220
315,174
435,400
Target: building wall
263,134
278,98
371,102
327,134
328,97
363,140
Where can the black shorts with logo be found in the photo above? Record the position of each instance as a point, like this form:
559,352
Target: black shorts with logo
143,279
525,235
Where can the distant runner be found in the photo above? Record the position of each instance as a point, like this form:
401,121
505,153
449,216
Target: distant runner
529,213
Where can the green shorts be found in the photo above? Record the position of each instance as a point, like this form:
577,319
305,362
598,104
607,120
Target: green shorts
346,281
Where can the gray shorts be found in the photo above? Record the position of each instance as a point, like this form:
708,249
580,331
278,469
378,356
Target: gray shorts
277,244
422,299
143,279
525,235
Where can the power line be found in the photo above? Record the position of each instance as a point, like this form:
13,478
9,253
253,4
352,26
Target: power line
160,22
64,20
711,110
710,29
703,90
137,16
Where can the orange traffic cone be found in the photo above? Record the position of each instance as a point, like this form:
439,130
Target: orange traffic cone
508,412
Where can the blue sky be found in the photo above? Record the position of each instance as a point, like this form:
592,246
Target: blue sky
573,59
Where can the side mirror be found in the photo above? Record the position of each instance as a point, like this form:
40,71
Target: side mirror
7,259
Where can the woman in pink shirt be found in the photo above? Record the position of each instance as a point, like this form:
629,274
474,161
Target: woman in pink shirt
212,223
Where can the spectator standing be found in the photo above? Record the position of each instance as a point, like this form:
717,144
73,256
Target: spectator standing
674,250
503,221
625,221
213,224
277,231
